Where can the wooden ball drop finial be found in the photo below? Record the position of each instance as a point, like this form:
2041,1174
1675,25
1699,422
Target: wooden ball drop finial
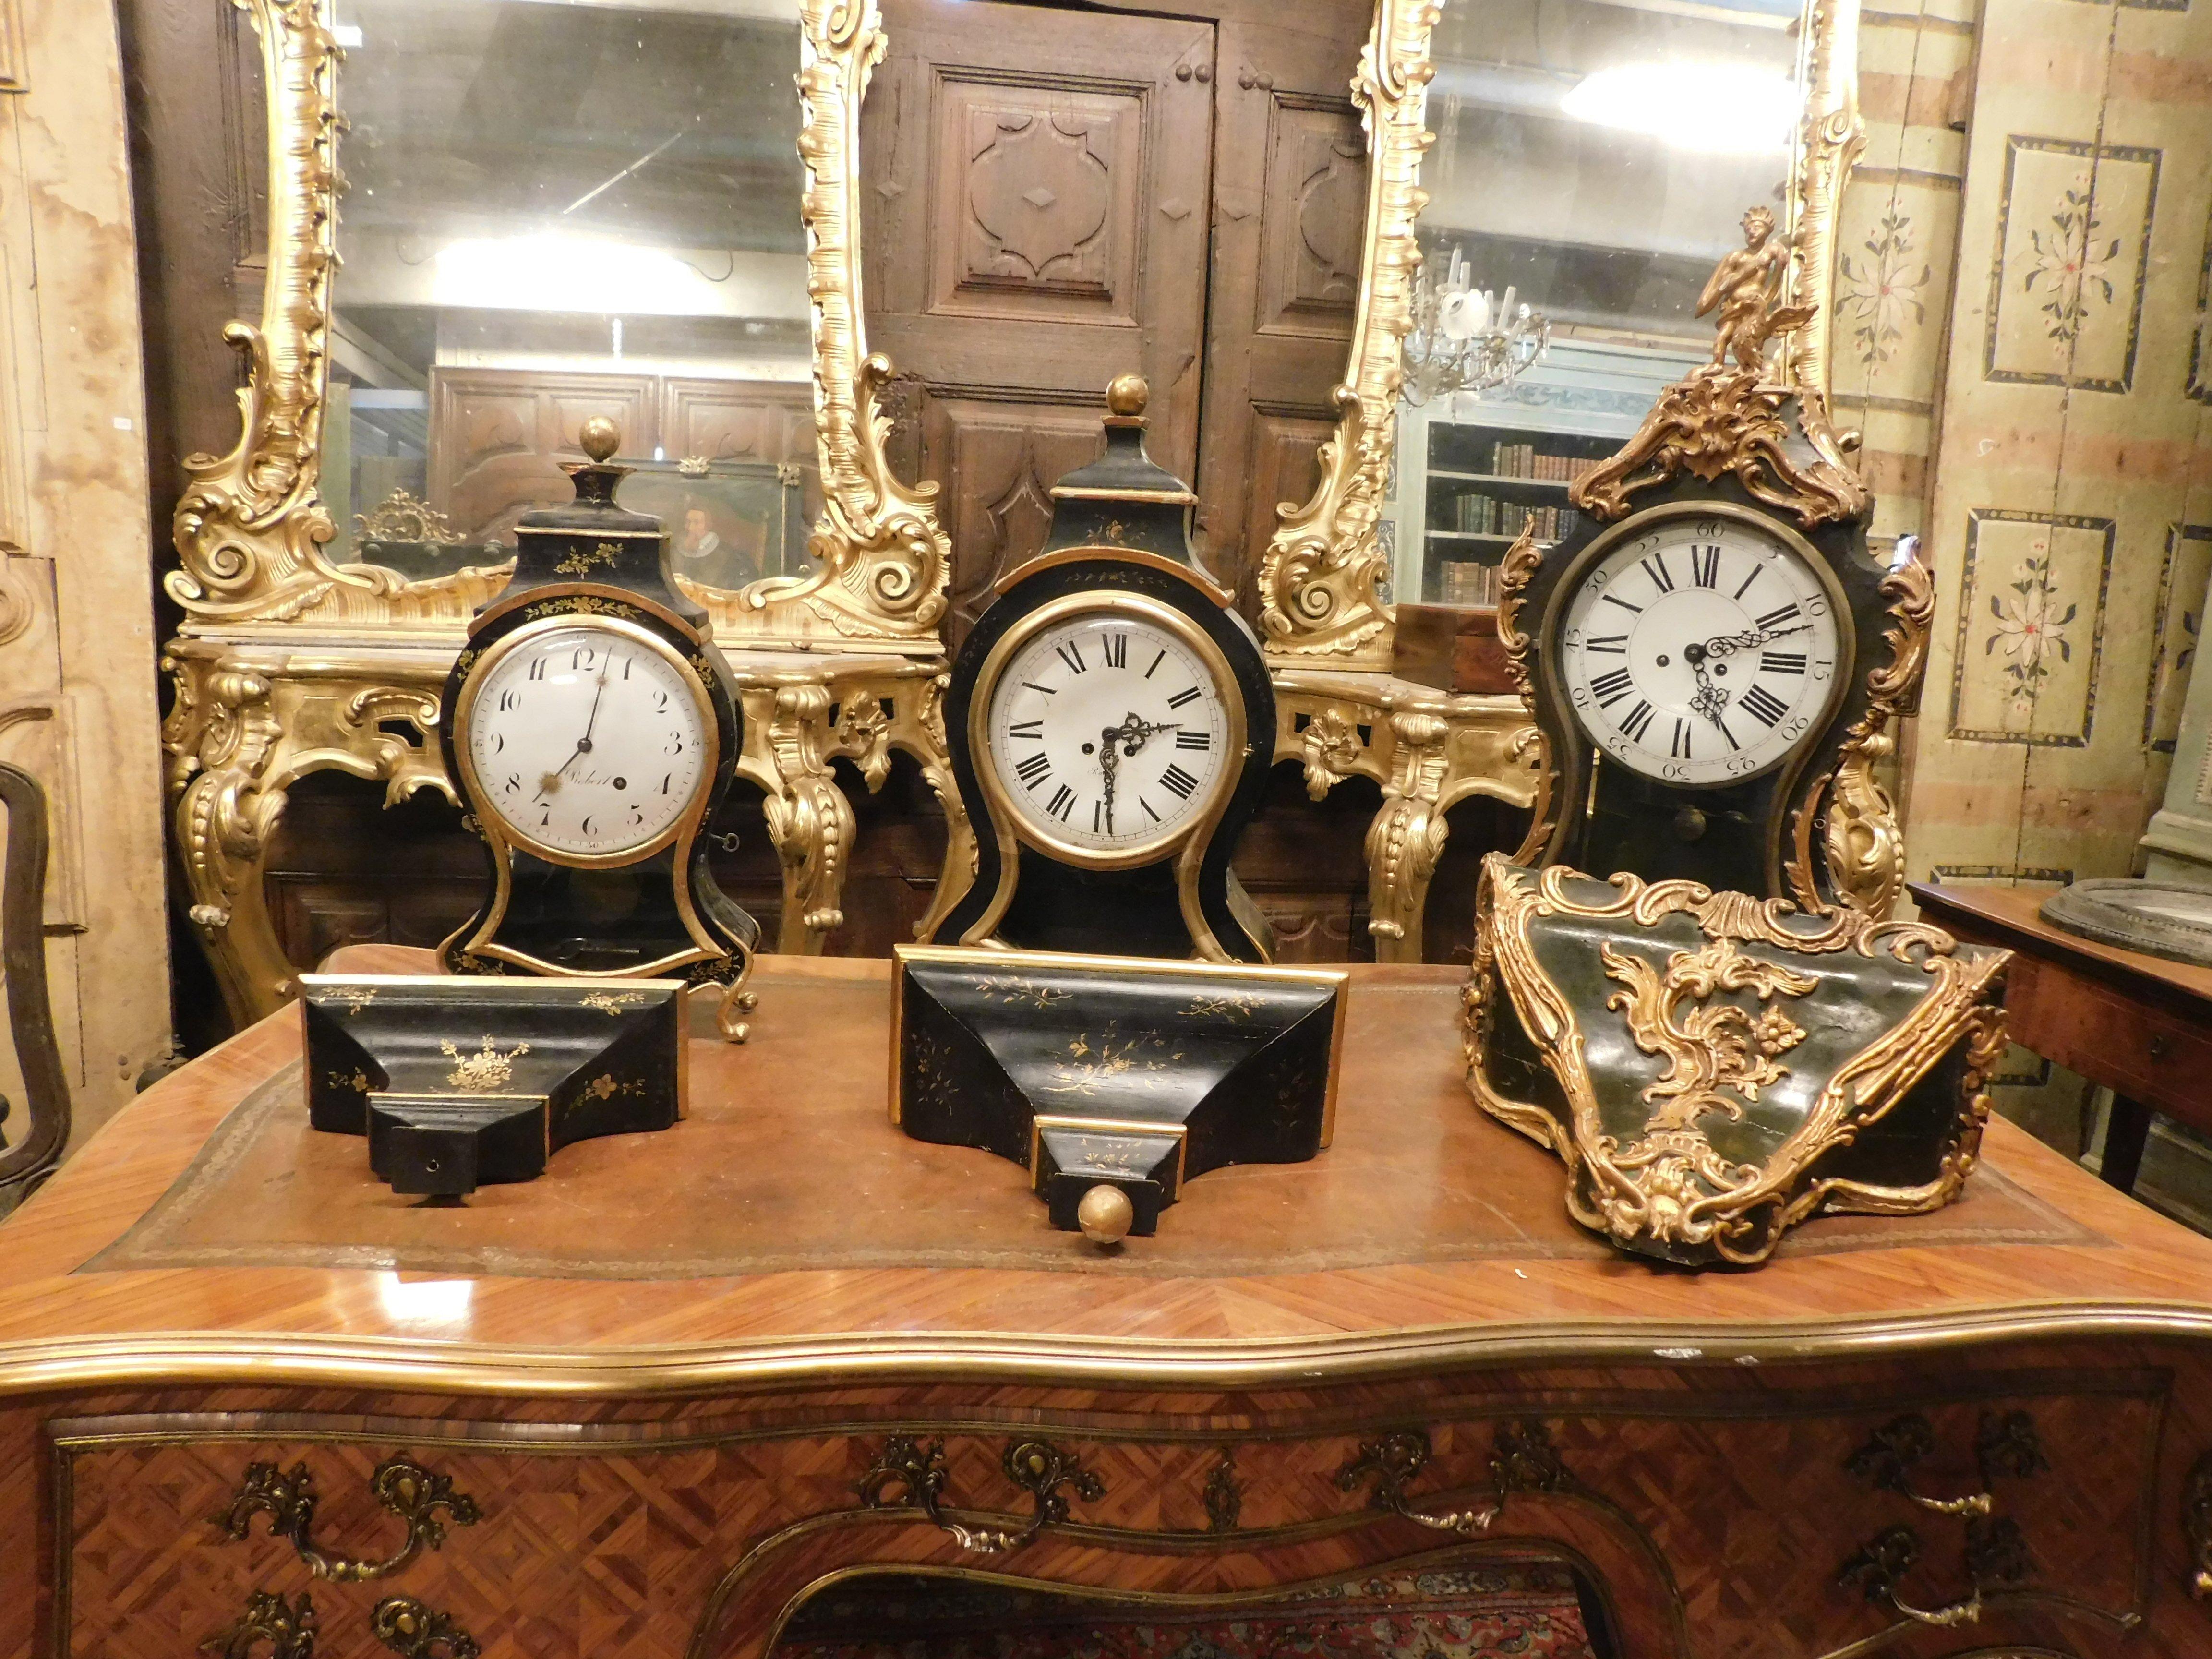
1104,1212
599,438
1127,395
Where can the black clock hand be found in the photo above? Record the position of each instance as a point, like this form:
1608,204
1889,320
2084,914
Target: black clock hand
1727,644
1710,701
1106,764
583,744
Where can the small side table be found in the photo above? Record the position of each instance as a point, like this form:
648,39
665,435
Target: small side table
2138,1026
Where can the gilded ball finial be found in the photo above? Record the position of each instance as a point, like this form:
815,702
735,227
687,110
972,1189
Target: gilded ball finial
1127,394
600,437
1104,1212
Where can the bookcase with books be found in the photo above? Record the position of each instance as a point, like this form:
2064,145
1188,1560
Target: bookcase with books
1481,487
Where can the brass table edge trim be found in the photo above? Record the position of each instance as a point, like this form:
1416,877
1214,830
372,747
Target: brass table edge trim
414,1365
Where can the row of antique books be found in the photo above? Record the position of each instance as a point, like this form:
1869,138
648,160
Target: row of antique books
1480,514
1466,582
1521,461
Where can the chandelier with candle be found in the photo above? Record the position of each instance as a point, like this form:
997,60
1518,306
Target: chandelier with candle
1465,339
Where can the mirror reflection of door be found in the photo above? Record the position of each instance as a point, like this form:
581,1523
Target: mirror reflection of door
1048,189
554,212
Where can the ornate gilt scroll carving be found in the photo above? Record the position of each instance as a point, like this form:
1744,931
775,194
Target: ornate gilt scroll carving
1667,1188
251,530
287,1498
1321,580
1734,418
885,560
1428,750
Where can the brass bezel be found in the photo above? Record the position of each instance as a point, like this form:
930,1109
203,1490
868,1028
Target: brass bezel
1007,819
489,817
1792,761
1001,958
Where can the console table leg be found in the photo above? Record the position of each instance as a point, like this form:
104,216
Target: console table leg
2127,1130
1407,836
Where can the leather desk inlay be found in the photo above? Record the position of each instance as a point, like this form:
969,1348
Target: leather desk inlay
738,1189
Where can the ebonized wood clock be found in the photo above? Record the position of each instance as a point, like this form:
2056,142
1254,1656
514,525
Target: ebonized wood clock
1110,721
592,728
1705,656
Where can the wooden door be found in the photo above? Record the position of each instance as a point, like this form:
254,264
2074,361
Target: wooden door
1288,216
1037,223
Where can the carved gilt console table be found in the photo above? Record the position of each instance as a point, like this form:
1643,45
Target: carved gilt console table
246,1400
255,712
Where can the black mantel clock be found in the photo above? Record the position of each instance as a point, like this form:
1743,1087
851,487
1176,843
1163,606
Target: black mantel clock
1111,722
1701,656
591,728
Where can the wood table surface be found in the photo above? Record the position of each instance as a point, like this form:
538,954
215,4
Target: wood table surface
2137,1024
1365,1386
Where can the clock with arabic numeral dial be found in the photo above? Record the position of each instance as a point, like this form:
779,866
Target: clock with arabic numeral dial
590,728
1110,720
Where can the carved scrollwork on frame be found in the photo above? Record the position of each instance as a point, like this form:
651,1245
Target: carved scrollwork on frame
1321,580
287,1498
884,559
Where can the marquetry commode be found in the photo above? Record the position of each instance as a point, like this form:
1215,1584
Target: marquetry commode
642,1406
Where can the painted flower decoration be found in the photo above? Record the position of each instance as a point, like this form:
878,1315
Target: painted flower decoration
1878,292
2031,628
2071,265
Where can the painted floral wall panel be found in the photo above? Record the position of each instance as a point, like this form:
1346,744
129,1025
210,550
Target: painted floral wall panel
2067,510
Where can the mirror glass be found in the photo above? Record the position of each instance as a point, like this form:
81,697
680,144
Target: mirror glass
556,210
1593,161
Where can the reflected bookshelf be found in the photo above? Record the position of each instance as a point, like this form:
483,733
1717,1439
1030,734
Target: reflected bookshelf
1482,484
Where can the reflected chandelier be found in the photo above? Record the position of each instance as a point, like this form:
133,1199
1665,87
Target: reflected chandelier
1464,339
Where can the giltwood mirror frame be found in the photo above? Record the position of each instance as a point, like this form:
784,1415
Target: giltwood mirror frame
251,531
1323,576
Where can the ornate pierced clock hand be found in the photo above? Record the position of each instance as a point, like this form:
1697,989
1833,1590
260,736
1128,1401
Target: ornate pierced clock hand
1727,644
1134,731
1710,701
1106,748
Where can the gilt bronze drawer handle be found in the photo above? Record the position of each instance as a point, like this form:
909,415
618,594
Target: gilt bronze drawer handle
287,1498
415,1631
2006,1445
910,1474
2197,1525
1995,1555
1522,1460
271,1621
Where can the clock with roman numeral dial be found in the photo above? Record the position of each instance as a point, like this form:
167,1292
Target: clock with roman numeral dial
1106,731
1111,724
1702,650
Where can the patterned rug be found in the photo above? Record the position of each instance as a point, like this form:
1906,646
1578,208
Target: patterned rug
1527,1610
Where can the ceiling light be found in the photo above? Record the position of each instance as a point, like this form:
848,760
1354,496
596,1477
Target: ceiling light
1718,108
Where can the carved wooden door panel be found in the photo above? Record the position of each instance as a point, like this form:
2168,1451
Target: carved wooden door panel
1036,225
1289,214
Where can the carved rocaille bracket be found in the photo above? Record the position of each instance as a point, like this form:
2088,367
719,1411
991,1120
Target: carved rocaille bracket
287,1498
1994,1554
416,1631
1522,1460
910,1473
2197,1526
270,1622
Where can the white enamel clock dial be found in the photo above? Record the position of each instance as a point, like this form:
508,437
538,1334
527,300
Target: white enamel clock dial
1701,652
1107,734
587,741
